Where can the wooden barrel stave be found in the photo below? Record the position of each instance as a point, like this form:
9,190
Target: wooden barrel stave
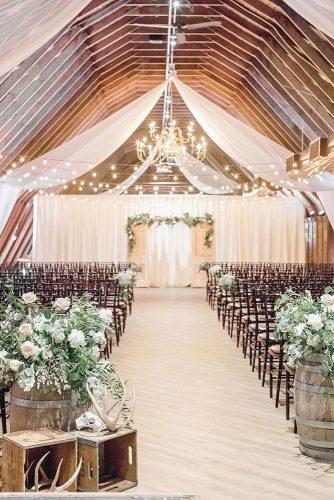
314,407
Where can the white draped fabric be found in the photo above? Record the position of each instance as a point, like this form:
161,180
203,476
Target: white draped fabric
87,149
204,178
244,144
169,255
327,200
87,228
320,13
26,25
8,197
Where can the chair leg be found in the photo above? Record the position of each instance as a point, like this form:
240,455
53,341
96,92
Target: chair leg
287,395
3,411
279,378
265,364
271,366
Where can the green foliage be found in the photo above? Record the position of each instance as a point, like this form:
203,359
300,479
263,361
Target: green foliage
188,219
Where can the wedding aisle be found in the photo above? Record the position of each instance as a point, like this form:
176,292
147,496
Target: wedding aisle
205,425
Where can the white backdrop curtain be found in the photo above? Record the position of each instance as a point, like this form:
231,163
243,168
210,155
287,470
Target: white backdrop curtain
320,13
169,255
92,228
327,200
87,149
26,25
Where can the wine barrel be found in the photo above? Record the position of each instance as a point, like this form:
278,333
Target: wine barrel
314,408
38,408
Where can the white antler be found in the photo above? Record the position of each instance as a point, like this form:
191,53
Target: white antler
46,481
113,422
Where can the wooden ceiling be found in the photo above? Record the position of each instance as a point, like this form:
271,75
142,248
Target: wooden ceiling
265,65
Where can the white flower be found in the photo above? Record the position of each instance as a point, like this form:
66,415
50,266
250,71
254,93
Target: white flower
105,315
62,303
3,354
15,364
215,270
39,323
315,321
333,358
299,329
47,354
95,351
25,329
98,337
58,336
17,316
76,338
29,298
28,349
328,302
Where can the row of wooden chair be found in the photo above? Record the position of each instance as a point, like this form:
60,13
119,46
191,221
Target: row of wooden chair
248,313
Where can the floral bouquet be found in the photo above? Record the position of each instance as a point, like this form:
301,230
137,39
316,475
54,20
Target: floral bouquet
56,348
136,268
227,282
215,270
307,327
204,266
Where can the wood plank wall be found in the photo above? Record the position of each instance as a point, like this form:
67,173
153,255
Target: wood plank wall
319,237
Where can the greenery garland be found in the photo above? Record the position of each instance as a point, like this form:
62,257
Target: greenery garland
188,219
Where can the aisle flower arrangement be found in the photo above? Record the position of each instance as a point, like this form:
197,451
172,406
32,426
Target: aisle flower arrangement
204,266
215,270
227,282
307,327
188,219
56,348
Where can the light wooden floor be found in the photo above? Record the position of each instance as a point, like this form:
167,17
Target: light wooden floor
205,425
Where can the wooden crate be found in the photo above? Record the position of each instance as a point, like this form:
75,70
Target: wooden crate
22,448
109,461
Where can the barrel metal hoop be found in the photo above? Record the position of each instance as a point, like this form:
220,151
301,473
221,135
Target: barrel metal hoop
316,389
40,405
320,424
316,443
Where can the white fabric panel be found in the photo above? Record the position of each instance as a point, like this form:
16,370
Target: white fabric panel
269,230
26,25
327,200
92,146
320,13
8,197
203,177
244,144
70,228
169,255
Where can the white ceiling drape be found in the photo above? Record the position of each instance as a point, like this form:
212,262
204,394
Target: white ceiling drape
320,13
244,144
327,201
87,149
71,228
26,25
204,178
8,197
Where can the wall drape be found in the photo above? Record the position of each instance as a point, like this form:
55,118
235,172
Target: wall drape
8,197
91,228
320,13
327,200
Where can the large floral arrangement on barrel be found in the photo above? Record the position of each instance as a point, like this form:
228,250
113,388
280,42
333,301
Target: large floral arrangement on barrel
188,219
306,325
56,348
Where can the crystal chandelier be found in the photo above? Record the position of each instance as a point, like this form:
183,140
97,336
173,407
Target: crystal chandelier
170,144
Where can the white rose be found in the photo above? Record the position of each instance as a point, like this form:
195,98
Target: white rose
315,321
28,349
328,302
25,329
29,298
39,323
98,337
299,329
76,338
96,352
105,315
58,336
15,364
62,303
